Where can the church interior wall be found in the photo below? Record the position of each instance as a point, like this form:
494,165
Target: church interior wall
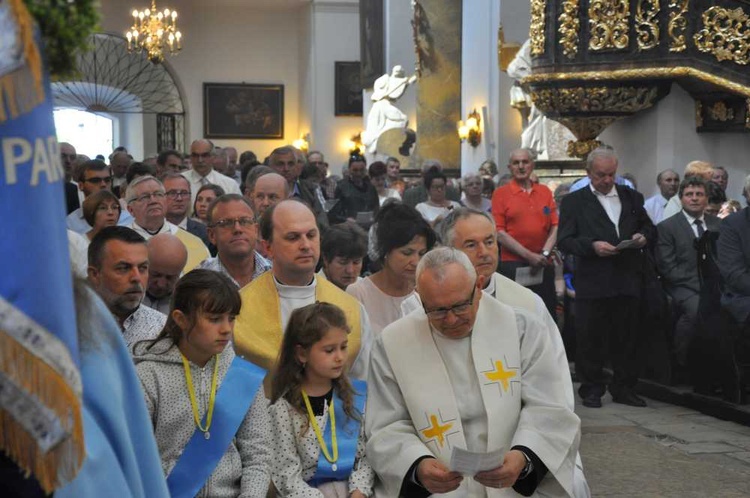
227,42
665,137
334,36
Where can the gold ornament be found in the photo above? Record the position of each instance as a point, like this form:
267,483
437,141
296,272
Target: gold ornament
677,25
639,74
569,28
725,34
647,24
608,23
597,99
536,30
582,148
720,112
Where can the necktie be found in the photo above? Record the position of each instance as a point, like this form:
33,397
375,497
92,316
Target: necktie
701,230
204,181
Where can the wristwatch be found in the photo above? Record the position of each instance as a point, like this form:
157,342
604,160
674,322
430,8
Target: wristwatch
546,253
528,468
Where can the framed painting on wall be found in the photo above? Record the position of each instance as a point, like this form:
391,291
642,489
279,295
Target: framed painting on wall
348,94
239,110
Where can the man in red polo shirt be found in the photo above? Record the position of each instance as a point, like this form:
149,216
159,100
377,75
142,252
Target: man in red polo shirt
526,220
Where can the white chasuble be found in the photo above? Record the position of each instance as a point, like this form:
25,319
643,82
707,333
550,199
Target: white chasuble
428,375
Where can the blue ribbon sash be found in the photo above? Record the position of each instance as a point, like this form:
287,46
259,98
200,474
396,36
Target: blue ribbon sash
201,456
347,435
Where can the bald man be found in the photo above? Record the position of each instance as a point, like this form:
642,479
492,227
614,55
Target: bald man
269,190
203,172
167,257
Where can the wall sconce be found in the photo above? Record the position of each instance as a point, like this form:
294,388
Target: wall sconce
355,145
302,143
469,129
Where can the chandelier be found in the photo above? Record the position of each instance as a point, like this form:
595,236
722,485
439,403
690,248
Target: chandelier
153,31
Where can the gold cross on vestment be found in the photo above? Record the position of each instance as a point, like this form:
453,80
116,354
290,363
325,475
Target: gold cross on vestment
436,430
501,375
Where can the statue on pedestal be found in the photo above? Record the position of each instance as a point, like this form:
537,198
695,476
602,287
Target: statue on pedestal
383,114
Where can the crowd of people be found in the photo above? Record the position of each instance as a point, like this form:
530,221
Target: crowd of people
306,335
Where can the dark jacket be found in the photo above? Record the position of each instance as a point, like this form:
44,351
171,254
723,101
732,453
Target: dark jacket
199,230
306,193
352,200
584,221
733,248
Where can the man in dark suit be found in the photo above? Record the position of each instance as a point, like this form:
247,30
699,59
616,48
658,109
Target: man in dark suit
68,158
177,193
677,260
733,249
288,162
605,227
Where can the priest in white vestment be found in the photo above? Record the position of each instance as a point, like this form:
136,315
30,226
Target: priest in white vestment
469,372
473,232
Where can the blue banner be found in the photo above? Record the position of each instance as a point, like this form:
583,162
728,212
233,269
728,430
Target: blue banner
37,317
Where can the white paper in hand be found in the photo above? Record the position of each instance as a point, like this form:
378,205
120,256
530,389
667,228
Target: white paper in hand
469,463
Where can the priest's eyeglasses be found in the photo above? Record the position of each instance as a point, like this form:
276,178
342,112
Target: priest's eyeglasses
459,309
244,221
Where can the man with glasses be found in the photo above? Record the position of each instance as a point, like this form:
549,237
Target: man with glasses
203,173
233,229
467,372
177,191
93,176
146,200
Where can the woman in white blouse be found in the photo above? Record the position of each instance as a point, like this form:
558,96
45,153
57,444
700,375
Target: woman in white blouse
437,205
402,237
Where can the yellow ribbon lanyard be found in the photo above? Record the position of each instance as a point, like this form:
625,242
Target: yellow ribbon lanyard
319,435
211,400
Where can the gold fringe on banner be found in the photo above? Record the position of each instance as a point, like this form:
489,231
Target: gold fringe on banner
23,89
61,463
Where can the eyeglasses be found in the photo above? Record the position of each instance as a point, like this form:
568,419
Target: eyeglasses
98,180
459,309
147,197
205,155
174,194
229,223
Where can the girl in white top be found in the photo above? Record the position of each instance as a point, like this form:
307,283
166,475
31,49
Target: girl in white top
182,372
437,204
402,237
317,414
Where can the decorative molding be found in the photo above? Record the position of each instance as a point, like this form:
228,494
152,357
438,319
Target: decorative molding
720,112
570,25
597,99
641,74
725,34
677,25
647,24
582,148
609,24
536,29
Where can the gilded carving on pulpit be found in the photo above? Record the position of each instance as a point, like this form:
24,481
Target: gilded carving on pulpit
570,26
647,24
608,23
383,114
536,30
725,34
677,25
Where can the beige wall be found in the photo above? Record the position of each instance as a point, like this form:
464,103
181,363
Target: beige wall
287,43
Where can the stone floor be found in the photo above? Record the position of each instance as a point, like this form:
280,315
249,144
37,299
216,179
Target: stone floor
662,450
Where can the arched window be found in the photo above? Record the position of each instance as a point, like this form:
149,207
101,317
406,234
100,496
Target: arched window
89,133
